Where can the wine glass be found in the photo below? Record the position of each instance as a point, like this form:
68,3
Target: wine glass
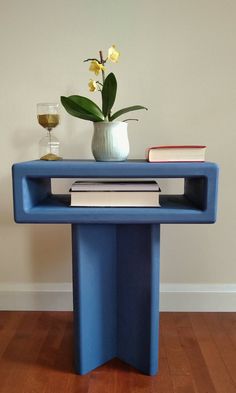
48,118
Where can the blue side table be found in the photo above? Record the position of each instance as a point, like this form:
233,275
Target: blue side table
116,251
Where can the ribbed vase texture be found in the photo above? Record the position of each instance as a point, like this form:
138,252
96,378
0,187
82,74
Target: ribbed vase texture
110,141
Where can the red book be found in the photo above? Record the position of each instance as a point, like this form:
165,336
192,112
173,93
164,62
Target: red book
182,153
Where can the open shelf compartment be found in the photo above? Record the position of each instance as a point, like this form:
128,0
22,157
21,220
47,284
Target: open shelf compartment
34,202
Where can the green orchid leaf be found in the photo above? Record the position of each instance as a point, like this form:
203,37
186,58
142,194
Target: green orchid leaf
74,110
87,105
109,94
125,110
82,108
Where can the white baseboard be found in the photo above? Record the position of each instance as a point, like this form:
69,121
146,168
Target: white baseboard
36,297
174,297
198,297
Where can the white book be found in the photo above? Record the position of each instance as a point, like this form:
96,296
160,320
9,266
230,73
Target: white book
115,198
115,185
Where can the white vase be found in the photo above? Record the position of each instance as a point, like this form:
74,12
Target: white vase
110,141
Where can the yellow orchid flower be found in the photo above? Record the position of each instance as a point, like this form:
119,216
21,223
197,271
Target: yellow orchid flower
113,54
92,85
96,67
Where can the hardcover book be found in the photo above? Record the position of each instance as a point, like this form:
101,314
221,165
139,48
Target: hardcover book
115,198
108,193
181,153
115,185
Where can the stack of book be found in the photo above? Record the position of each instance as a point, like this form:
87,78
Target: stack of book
108,193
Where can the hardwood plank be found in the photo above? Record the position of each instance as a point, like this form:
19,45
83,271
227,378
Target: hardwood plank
162,383
9,362
122,375
22,352
114,376
228,322
62,377
184,384
102,380
5,316
8,325
181,319
180,368
226,348
78,384
199,370
44,366
215,364
59,379
177,359
123,382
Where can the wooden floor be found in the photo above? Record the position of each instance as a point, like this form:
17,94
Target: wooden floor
197,355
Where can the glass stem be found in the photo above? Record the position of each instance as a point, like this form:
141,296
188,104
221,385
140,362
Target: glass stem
50,140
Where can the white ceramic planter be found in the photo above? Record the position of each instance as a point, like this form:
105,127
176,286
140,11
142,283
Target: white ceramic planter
110,141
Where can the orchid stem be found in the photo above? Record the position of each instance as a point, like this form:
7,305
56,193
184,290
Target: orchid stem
102,62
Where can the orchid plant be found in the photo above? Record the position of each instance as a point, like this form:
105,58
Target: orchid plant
85,108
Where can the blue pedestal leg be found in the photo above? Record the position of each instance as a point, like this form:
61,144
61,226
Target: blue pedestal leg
94,295
138,295
116,295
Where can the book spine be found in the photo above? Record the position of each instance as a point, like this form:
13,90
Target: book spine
175,161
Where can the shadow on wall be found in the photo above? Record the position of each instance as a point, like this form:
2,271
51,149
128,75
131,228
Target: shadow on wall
22,142
6,205
50,253
49,246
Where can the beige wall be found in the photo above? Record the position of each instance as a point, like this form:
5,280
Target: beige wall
178,58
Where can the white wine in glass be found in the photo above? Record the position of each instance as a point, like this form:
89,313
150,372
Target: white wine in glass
48,118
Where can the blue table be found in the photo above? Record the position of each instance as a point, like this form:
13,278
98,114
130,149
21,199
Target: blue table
116,251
